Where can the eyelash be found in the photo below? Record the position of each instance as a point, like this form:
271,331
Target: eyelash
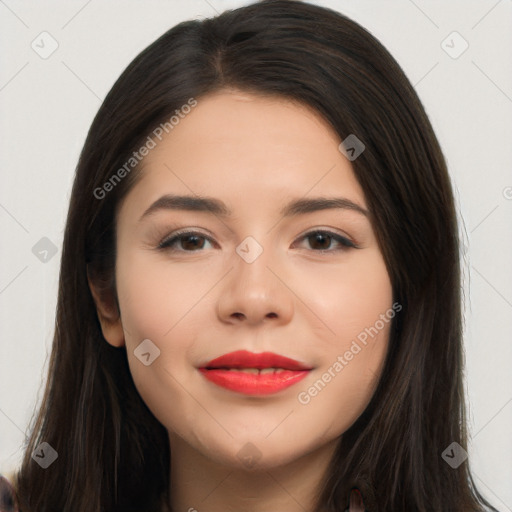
167,243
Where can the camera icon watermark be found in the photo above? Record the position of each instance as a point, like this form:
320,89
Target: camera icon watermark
454,45
352,147
249,455
44,455
454,455
44,250
146,352
249,249
44,45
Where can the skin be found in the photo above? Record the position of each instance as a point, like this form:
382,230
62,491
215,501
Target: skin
254,153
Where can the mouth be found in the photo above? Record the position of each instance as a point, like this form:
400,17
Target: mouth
254,374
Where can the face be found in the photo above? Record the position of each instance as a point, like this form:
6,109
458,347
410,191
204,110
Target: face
309,284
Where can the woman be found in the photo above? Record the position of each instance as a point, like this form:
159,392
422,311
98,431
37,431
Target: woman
208,353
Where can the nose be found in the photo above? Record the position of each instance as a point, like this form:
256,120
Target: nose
256,293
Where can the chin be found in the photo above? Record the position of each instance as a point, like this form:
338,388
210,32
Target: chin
256,454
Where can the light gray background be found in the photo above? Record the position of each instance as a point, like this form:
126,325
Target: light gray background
48,104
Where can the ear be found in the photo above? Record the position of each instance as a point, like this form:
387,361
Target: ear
108,312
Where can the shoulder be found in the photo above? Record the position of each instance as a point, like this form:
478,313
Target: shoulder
8,501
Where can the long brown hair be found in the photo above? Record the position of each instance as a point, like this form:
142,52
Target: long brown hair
113,455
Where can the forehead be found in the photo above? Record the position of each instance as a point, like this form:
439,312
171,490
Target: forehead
237,145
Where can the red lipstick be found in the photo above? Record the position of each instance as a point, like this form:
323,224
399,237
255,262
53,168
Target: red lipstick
254,374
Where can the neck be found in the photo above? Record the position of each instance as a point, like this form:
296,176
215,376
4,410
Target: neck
200,484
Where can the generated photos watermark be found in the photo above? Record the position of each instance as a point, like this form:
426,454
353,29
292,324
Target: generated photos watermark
304,397
143,151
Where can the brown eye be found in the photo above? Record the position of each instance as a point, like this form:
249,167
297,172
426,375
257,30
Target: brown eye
186,242
323,240
319,241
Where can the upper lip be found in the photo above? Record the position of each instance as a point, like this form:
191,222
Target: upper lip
246,359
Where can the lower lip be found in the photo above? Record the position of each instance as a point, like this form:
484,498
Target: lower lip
254,384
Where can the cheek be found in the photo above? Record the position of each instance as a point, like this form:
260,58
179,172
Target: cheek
357,310
349,297
161,302
341,390
156,297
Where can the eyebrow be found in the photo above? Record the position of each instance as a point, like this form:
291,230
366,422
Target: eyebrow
217,207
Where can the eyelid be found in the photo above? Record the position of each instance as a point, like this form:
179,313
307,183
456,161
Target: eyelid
344,240
332,232
181,232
